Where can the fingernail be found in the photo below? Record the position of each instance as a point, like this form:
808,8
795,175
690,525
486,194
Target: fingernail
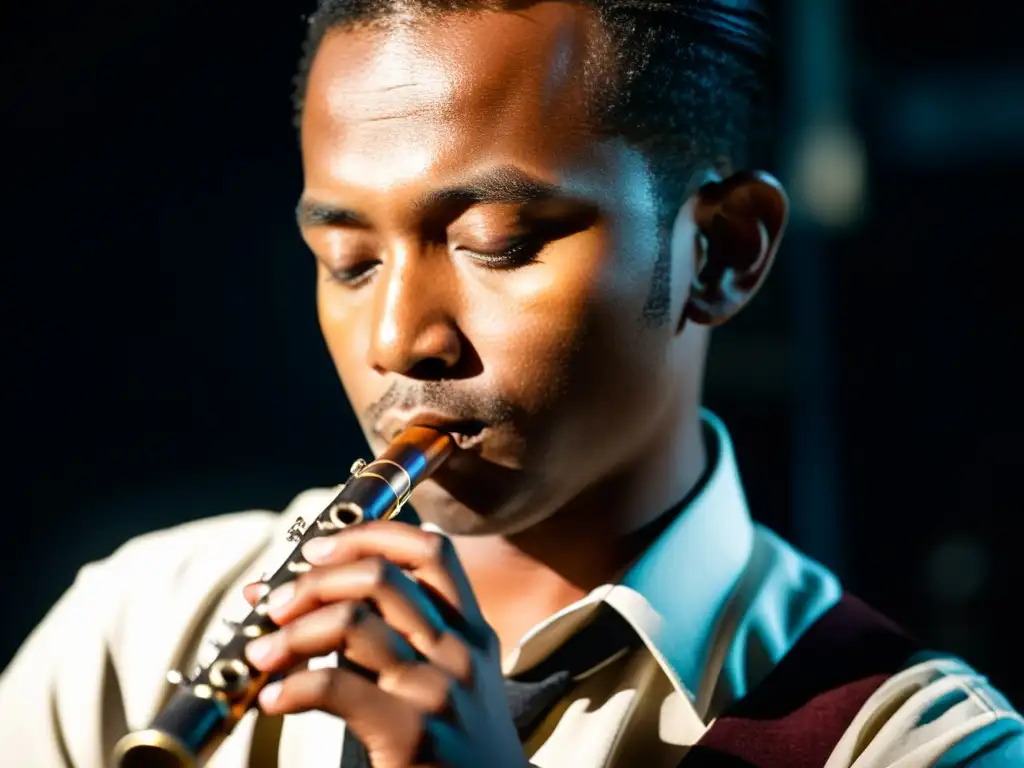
317,550
281,595
259,591
270,694
257,650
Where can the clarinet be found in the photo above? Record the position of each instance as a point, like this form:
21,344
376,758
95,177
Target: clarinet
207,705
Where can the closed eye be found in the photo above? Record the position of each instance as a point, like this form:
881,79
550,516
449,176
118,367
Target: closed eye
518,253
354,276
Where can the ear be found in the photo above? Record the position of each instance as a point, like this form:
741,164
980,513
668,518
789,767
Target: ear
738,224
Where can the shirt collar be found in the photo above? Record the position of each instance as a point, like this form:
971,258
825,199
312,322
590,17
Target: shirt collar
687,575
674,593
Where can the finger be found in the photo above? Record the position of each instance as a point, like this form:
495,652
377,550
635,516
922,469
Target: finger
399,599
365,639
373,645
251,592
402,606
430,556
453,656
386,725
423,686
315,634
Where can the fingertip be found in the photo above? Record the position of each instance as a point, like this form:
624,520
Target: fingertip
251,592
269,696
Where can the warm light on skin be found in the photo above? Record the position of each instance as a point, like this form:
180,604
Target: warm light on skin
595,427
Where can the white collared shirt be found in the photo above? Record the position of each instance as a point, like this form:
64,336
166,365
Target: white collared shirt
717,601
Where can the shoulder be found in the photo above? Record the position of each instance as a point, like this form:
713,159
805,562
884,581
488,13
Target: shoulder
781,594
170,558
151,597
801,641
143,595
150,574
162,564
936,711
98,658
139,602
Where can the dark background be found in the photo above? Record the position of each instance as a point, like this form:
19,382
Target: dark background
165,362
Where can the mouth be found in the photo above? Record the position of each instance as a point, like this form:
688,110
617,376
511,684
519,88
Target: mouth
467,433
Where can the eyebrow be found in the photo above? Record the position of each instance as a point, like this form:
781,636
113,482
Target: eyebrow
312,213
504,185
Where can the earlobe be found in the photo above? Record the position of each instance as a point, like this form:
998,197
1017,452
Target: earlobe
739,223
697,284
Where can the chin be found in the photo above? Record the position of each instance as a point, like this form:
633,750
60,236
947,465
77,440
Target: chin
439,508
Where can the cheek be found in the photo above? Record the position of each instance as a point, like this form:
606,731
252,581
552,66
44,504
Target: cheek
549,331
612,373
534,320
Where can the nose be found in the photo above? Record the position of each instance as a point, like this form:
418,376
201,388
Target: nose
413,331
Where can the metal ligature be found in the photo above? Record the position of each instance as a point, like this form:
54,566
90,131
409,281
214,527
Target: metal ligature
206,706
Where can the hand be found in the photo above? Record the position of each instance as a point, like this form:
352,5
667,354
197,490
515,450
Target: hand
423,682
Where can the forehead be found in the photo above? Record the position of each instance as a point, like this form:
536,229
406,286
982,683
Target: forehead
433,97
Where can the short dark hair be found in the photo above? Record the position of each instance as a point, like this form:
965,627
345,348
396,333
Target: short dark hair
682,80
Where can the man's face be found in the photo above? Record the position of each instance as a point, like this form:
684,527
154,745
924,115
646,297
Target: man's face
484,261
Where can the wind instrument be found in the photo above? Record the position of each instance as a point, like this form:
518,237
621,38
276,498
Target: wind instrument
208,704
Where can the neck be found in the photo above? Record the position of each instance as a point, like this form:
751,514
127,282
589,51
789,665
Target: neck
586,543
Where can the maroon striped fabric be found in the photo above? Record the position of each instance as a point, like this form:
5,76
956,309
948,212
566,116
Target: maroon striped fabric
795,717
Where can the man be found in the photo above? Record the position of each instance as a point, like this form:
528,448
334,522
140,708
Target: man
527,219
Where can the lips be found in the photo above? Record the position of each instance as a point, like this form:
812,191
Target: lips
467,433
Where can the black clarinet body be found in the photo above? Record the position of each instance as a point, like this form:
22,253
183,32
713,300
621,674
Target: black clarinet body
208,704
